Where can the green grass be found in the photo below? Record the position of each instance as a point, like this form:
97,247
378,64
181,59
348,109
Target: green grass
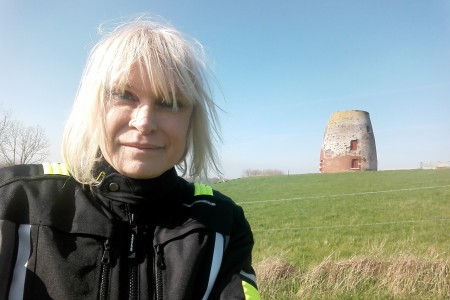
305,219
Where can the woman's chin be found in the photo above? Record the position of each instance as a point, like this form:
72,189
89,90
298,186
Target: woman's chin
140,170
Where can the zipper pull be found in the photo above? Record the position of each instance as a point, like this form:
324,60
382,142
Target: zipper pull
105,271
160,257
106,257
158,271
133,236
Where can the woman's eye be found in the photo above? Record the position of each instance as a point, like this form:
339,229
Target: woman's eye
124,95
168,105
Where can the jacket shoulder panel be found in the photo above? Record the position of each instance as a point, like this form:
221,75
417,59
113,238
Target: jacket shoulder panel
211,208
11,173
46,195
30,172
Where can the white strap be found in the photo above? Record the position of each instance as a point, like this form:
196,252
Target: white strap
23,253
216,262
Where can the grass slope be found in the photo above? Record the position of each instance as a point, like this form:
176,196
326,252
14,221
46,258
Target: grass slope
306,220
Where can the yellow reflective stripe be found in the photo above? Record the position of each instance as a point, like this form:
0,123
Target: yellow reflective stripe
47,168
55,168
100,176
202,189
250,292
64,170
61,169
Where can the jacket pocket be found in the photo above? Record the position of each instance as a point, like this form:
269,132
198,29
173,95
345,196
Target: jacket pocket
63,265
182,263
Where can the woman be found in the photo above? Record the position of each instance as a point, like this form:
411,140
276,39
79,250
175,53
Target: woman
123,224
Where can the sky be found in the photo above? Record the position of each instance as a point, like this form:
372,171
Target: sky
281,69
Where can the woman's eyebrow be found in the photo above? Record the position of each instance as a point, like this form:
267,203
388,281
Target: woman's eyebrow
129,87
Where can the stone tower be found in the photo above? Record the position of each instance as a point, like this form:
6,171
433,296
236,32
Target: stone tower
348,143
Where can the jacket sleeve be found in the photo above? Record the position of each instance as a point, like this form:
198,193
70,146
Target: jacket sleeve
7,243
236,279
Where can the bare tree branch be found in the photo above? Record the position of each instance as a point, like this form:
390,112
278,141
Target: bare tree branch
20,144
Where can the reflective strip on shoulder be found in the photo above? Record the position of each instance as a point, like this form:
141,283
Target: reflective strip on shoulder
250,292
55,169
202,189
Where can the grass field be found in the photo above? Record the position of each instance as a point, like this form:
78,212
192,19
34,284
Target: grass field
305,225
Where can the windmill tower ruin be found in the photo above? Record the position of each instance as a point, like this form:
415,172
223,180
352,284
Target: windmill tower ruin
348,143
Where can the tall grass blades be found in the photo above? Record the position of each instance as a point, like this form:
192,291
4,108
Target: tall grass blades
360,277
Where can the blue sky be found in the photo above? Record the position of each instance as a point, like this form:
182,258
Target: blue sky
282,67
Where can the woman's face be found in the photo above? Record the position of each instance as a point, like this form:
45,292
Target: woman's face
145,136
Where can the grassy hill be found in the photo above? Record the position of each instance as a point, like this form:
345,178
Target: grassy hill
302,222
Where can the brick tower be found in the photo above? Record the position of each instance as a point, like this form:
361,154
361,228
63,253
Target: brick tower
348,143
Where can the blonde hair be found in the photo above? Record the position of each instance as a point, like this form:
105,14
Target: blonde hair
176,68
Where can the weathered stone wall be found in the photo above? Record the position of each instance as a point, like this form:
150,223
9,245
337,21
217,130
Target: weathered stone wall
348,143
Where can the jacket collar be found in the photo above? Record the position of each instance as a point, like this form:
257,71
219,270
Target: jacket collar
118,187
156,200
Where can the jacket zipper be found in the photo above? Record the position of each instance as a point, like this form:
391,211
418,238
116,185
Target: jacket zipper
159,267
132,266
106,271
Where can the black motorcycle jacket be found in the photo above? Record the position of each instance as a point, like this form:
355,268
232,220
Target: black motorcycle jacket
162,238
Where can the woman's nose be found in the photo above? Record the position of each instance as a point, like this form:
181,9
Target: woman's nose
143,119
